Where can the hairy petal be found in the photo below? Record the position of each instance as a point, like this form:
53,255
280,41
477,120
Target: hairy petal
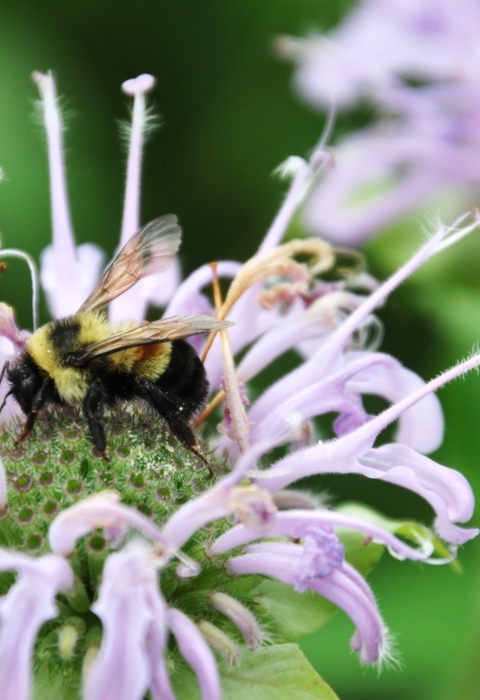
313,324
443,488
196,652
421,426
100,510
294,196
239,615
28,604
447,490
121,670
160,687
343,586
10,330
136,88
64,301
295,524
251,504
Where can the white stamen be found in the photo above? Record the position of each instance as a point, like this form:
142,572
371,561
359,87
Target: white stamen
137,88
63,236
142,84
142,122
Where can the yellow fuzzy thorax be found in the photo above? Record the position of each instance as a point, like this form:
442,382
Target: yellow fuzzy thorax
149,361
71,382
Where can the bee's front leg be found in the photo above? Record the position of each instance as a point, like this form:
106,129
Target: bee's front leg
93,408
38,403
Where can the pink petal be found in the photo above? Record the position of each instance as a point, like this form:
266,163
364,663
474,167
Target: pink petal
121,670
196,652
28,604
294,524
421,427
343,586
100,510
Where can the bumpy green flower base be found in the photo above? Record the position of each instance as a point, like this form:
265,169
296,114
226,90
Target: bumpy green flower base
57,466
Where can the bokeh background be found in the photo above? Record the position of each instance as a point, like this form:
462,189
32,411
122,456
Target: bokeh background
229,118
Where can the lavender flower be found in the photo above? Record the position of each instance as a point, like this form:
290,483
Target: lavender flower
120,595
417,64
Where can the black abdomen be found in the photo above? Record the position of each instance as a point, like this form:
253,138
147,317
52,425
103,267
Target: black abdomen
185,376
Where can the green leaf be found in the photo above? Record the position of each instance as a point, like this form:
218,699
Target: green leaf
407,529
292,615
361,554
278,671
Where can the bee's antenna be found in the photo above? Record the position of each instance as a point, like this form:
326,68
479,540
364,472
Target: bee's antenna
2,374
4,369
14,253
5,400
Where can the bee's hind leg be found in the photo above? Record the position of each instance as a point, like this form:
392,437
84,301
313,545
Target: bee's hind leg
196,451
176,414
93,409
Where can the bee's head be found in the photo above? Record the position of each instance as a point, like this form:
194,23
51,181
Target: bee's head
25,380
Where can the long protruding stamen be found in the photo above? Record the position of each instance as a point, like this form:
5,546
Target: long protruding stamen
14,253
442,239
137,88
133,303
63,236
236,407
294,195
303,175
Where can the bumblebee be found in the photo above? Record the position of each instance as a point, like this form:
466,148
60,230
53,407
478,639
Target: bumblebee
84,360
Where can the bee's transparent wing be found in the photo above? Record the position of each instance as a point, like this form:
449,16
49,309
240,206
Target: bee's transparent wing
149,251
162,331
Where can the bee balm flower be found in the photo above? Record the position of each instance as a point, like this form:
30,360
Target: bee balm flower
139,574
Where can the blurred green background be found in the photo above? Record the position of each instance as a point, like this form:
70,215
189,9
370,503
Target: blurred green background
229,119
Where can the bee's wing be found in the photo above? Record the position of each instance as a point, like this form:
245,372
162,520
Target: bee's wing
150,250
167,329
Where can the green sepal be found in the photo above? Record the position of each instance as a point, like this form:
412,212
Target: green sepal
49,686
277,671
11,534
77,597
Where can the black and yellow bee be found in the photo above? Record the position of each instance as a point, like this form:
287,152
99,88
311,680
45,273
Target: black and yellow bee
86,360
